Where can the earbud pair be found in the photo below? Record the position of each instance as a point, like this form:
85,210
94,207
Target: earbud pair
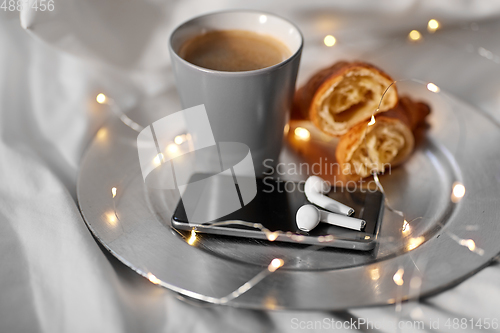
308,216
315,189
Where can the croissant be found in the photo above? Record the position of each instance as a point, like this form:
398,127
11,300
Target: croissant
368,148
338,97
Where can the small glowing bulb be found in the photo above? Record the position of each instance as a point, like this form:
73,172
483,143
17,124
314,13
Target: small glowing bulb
414,35
263,19
432,25
158,159
275,264
272,235
398,277
173,148
330,238
192,238
415,242
375,274
372,121
111,217
270,303
406,226
432,87
469,243
101,98
458,192
179,139
329,40
302,133
113,191
153,279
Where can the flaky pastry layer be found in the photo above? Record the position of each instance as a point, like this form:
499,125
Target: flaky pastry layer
339,97
388,142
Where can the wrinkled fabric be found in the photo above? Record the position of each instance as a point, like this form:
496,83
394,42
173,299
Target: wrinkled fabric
54,277
134,34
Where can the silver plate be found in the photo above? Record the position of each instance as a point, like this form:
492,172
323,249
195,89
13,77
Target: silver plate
460,146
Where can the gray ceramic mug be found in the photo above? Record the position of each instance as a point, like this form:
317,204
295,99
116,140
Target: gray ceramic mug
251,107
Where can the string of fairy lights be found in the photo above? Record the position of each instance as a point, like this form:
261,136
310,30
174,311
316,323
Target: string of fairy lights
303,134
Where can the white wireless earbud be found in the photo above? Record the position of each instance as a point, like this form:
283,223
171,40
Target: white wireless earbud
314,189
308,217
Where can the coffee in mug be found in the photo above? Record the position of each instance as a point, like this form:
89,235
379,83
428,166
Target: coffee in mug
234,50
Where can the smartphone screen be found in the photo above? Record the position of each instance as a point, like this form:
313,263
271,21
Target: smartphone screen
275,206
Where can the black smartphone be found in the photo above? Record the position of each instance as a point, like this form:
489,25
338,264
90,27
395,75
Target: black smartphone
275,206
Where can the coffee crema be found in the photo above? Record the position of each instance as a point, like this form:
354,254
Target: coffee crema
234,50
